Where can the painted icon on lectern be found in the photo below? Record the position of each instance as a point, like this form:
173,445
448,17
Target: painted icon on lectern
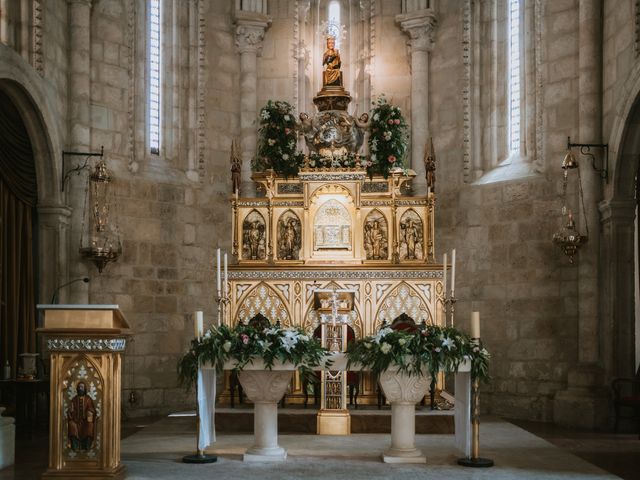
289,236
375,236
411,243
253,237
82,403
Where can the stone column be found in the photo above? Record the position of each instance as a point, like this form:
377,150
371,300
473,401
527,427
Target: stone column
420,26
250,28
53,239
79,133
403,392
265,388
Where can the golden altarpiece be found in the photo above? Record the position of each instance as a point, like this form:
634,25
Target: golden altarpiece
333,229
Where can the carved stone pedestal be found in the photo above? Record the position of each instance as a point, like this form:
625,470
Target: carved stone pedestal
403,392
265,388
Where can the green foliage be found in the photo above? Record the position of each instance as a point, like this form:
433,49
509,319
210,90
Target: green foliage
277,140
388,139
429,349
244,343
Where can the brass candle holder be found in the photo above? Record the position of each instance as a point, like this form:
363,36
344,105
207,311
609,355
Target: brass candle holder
475,460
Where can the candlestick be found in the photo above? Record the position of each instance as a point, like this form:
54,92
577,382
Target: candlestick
475,324
218,270
226,276
198,324
444,273
453,272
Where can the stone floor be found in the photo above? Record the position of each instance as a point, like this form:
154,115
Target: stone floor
152,449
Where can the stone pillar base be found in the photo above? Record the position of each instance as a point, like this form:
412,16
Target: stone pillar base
394,455
276,454
334,422
585,403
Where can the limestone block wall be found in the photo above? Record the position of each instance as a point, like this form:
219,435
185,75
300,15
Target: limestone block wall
509,270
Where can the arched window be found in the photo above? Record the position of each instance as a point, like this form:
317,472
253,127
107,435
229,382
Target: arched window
514,77
154,76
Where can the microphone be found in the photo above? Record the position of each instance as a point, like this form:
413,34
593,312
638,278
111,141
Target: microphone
54,297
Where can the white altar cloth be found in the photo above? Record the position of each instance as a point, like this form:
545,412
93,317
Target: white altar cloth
207,396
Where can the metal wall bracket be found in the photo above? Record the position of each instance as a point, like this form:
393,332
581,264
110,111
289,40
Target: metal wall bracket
585,149
78,168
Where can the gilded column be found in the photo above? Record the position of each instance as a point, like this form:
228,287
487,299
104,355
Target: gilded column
250,28
420,26
79,138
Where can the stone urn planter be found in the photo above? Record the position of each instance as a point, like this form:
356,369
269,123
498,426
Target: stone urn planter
265,388
403,392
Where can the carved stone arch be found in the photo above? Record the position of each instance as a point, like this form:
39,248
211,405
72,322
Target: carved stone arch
289,236
411,236
264,300
254,236
331,189
403,298
376,236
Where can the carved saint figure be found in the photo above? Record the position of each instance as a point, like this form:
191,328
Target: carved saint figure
410,233
332,75
255,237
81,418
289,237
430,165
236,167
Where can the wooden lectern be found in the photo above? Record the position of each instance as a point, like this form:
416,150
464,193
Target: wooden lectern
85,342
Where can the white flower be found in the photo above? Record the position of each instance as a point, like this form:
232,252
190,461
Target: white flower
447,342
287,118
207,334
226,346
272,142
387,135
385,347
264,115
374,148
402,341
381,334
367,345
373,157
285,156
376,117
437,349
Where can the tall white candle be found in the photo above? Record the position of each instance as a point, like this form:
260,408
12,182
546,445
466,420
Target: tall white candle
444,274
198,324
218,271
453,272
226,276
475,324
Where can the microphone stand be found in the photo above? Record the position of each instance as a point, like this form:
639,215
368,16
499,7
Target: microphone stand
54,297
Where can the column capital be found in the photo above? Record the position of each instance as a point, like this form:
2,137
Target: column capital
420,26
623,211
250,28
82,2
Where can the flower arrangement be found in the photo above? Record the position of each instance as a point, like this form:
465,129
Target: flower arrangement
428,349
277,140
350,160
244,343
388,139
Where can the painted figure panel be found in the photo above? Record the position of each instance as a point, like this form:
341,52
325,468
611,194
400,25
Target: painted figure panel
82,404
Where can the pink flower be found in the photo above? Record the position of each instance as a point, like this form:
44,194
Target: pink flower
390,121
397,121
391,158
245,338
369,163
287,131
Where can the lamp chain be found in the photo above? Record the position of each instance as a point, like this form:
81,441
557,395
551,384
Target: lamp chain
584,211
